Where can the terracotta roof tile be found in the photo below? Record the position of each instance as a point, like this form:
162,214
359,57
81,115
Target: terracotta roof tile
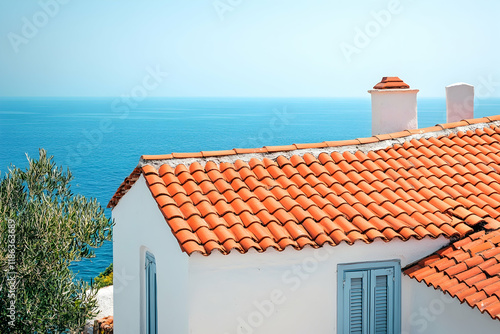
397,192
476,276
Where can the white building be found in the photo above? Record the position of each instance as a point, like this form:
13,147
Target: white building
312,238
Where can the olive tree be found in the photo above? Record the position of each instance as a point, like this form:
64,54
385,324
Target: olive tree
43,228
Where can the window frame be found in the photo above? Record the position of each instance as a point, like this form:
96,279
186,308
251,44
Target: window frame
150,268
360,267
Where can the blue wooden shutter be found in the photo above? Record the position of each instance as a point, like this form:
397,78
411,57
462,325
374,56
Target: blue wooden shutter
356,301
382,301
151,295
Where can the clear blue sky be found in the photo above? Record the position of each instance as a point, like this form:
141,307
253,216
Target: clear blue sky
245,47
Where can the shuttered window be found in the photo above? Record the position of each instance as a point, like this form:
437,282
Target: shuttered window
369,298
151,295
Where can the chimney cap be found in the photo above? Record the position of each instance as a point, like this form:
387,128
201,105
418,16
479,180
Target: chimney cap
391,83
460,84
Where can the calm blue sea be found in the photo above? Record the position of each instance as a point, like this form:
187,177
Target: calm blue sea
101,142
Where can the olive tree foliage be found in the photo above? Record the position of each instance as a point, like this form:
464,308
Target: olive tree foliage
43,228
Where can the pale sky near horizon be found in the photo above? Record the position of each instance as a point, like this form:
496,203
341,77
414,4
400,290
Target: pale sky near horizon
246,48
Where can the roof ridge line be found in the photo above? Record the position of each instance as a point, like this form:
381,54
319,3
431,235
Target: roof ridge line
364,145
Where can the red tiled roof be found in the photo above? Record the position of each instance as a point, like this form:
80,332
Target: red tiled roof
444,184
391,83
469,270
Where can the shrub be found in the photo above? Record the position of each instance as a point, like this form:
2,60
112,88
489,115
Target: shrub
43,228
105,278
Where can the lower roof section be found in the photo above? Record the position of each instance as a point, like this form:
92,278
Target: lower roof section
469,270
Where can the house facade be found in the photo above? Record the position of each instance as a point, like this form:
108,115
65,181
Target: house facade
396,233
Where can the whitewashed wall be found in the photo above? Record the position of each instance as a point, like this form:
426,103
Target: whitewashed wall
282,292
255,293
140,226
430,311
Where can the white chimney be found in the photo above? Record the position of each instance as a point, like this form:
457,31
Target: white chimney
459,102
394,106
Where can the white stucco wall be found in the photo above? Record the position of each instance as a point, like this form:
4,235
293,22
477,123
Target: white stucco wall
254,293
282,292
140,226
433,312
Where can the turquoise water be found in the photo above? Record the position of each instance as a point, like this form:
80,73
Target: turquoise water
101,139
